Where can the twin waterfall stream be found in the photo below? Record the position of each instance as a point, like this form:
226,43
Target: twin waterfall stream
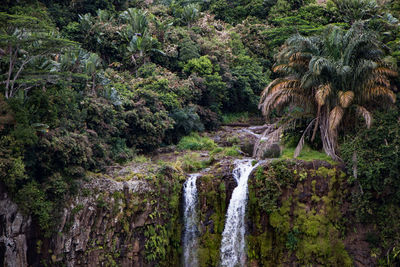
190,219
232,251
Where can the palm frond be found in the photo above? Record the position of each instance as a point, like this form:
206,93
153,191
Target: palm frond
380,91
366,115
377,79
345,98
322,93
296,56
335,117
299,63
318,65
311,80
280,68
279,84
281,100
300,145
279,97
386,71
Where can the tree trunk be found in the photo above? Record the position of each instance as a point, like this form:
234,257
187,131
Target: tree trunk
93,84
329,142
11,66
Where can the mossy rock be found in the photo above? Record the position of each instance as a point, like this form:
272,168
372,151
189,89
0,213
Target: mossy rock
287,225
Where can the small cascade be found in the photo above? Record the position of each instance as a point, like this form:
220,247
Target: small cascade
191,221
233,243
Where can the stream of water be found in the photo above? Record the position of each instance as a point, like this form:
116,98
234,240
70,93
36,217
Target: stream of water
233,242
190,235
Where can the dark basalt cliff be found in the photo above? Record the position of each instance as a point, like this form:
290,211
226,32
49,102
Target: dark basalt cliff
297,214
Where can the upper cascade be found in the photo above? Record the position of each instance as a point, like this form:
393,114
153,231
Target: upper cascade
233,242
191,221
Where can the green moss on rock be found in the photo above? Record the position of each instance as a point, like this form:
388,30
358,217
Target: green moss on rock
290,223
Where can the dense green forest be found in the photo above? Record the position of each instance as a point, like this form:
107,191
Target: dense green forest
88,84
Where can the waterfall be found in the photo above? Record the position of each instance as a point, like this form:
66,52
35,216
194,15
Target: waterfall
190,220
233,243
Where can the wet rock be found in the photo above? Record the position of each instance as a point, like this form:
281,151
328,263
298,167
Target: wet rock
244,138
271,151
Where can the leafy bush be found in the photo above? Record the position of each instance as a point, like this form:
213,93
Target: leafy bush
235,12
31,199
186,121
202,66
188,50
375,154
147,70
353,10
235,117
377,157
248,82
12,166
147,121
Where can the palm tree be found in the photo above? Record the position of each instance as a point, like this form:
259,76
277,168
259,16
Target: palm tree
161,28
353,10
140,47
189,14
92,65
137,21
332,75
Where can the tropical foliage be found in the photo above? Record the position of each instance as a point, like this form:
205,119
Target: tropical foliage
91,83
332,76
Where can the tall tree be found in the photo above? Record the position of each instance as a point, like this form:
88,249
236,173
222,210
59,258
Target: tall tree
23,40
331,75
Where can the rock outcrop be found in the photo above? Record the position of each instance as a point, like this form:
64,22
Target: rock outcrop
14,231
112,221
132,217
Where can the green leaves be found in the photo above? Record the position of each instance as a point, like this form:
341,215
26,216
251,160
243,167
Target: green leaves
202,66
189,14
136,19
353,10
338,69
25,40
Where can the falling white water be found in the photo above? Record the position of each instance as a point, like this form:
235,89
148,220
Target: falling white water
190,233
233,243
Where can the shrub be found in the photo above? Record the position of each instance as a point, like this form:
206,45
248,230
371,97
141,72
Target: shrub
188,50
147,121
146,70
248,82
377,155
31,199
202,66
186,121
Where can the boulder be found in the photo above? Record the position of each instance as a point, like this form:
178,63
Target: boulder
271,151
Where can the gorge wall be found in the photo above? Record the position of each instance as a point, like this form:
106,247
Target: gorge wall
298,213
113,221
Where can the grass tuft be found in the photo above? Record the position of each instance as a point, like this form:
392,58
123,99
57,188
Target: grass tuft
240,117
196,142
307,154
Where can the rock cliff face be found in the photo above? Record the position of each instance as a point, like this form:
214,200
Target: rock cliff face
14,232
110,223
96,227
298,213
